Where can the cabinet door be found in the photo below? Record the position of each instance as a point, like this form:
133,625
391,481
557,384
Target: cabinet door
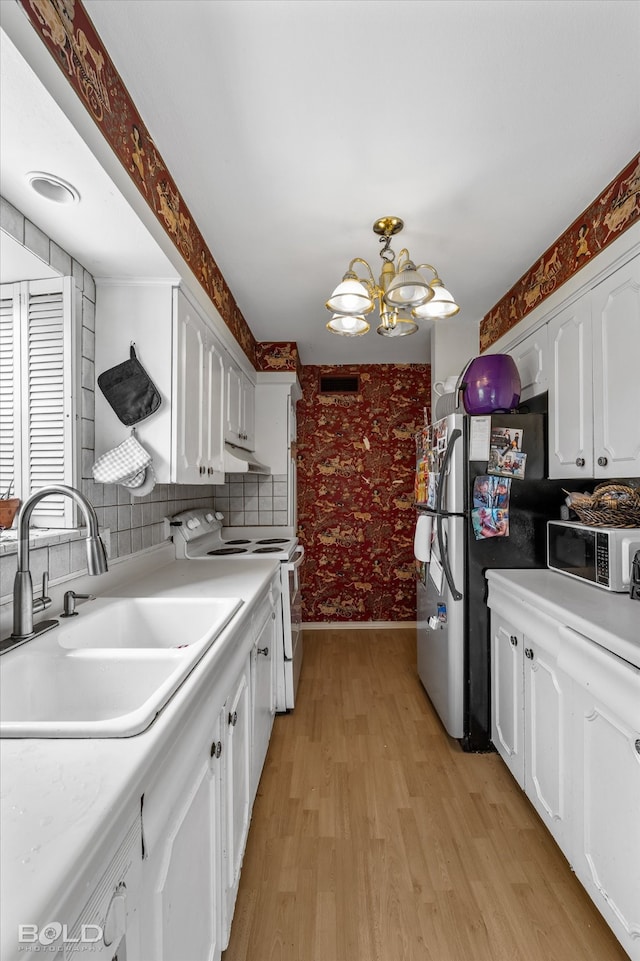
182,915
248,414
237,775
607,777
531,357
616,379
570,392
213,414
188,402
263,695
547,698
507,701
233,402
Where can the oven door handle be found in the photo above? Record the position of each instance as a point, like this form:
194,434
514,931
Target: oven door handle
295,564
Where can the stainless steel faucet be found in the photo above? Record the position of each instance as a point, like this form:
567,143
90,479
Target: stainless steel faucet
24,605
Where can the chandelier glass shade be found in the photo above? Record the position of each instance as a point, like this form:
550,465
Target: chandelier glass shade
402,294
349,325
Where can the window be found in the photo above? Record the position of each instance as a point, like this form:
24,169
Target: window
37,399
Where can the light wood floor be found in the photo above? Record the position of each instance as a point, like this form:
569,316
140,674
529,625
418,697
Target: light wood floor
375,838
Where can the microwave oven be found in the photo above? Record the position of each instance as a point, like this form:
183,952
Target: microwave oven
598,555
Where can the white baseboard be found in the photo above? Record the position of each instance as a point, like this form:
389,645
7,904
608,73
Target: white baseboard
356,625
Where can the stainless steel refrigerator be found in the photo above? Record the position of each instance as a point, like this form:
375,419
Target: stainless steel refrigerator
454,647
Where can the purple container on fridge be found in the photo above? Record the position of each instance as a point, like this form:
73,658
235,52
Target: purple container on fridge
491,383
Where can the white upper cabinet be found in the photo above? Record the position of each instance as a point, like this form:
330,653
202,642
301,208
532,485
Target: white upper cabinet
239,421
594,388
615,313
183,357
213,391
570,393
188,413
532,360
199,389
276,398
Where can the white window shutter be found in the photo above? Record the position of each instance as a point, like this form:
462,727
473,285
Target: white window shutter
47,394
10,461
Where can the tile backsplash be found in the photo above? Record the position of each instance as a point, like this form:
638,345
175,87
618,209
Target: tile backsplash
248,500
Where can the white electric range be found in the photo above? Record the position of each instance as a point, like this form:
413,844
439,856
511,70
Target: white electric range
198,535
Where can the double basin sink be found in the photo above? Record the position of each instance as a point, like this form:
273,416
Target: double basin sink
110,670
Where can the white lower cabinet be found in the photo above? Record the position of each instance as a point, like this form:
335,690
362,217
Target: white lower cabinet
566,721
530,720
606,770
263,682
547,712
182,879
507,681
236,747
197,802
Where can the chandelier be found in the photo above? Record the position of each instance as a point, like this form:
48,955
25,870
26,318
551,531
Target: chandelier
401,293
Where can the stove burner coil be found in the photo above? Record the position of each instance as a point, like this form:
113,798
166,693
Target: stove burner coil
273,540
239,541
266,550
227,550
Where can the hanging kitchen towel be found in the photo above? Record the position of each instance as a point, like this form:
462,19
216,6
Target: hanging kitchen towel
129,390
126,464
422,538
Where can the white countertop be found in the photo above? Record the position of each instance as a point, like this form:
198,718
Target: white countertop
64,801
610,620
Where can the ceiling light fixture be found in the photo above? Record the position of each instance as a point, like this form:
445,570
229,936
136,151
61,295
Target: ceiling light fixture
402,294
53,188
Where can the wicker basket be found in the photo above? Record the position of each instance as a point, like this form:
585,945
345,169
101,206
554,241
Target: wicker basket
610,505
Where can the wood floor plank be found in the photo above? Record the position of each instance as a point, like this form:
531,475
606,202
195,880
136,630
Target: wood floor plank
376,838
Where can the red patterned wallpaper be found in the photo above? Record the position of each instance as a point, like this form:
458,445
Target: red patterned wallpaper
356,460
617,207
278,355
65,28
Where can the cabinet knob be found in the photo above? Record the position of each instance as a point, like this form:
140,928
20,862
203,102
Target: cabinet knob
602,461
514,640
638,746
580,462
273,615
202,470
263,650
528,653
233,718
216,749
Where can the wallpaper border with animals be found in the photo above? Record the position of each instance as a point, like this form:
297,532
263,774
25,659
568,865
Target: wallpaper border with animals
67,31
610,214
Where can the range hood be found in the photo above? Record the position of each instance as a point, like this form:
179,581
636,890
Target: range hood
239,461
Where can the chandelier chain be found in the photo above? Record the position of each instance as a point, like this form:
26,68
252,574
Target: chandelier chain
387,253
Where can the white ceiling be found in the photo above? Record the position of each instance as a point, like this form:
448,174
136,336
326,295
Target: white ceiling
291,125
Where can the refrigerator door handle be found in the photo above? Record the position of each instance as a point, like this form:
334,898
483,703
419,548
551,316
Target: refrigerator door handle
444,558
442,486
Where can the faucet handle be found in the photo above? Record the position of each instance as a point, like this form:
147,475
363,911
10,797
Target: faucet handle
42,603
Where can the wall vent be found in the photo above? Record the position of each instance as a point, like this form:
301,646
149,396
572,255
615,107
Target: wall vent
339,384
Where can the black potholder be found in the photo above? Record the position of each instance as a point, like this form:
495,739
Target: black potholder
130,390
